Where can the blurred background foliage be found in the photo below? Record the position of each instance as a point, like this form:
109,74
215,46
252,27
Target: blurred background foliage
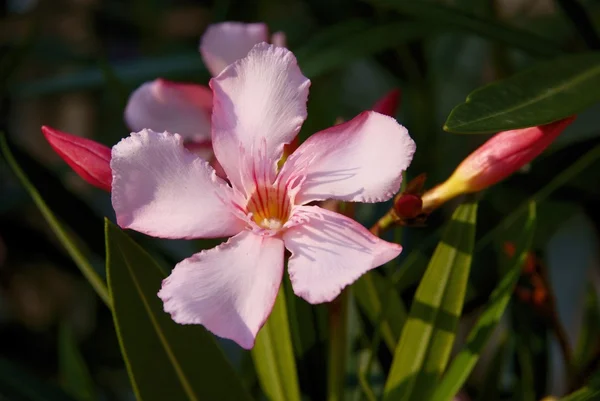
71,64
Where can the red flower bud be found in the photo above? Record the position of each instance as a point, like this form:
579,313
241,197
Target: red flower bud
87,158
408,206
389,103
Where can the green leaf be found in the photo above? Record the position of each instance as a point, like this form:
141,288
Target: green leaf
17,384
452,19
165,360
318,59
428,335
273,355
539,95
61,232
382,306
76,379
465,361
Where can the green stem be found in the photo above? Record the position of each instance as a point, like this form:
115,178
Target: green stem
338,332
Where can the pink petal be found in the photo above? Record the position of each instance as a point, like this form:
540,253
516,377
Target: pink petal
331,251
360,160
161,189
88,158
224,43
178,108
229,289
279,39
259,106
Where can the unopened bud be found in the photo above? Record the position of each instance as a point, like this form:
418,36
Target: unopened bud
389,103
408,206
89,159
502,155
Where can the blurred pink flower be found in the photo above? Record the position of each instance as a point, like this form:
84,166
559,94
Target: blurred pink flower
162,189
184,108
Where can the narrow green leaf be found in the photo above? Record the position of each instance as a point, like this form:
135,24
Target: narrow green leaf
17,384
428,335
490,388
360,44
465,361
273,355
382,306
451,18
539,95
57,227
165,360
75,376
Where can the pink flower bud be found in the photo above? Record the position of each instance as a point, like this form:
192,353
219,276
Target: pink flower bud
389,103
505,153
502,155
87,158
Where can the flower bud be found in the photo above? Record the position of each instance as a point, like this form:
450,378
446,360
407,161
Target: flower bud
499,157
408,206
389,103
89,159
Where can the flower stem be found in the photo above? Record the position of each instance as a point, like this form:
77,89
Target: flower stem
385,223
338,339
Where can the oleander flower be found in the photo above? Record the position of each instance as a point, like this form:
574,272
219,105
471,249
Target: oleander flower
185,108
162,189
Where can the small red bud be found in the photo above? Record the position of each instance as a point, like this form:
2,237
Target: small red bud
389,103
89,159
408,206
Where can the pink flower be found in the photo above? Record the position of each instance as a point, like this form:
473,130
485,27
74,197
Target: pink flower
184,108
161,189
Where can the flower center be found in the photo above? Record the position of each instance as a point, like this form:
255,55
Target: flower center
270,207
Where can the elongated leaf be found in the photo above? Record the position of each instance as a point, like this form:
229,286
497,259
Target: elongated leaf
450,18
273,355
165,360
76,379
382,306
57,227
428,335
360,44
465,361
17,384
542,94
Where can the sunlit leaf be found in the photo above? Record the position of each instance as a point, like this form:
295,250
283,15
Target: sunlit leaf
542,94
427,337
273,355
165,360
465,361
61,232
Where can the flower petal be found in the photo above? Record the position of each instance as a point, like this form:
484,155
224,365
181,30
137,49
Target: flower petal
179,108
229,289
259,106
331,251
361,160
224,43
88,158
161,189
